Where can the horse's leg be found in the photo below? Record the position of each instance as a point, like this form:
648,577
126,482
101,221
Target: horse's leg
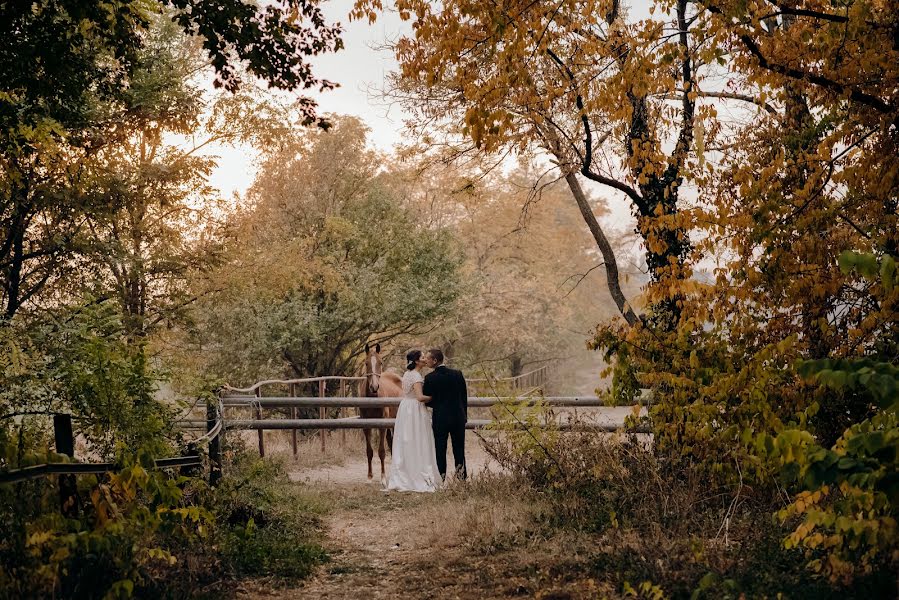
382,436
369,452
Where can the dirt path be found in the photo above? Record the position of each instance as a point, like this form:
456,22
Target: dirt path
379,541
382,545
451,544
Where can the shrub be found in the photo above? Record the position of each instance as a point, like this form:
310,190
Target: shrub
267,525
846,510
139,530
659,526
135,523
79,361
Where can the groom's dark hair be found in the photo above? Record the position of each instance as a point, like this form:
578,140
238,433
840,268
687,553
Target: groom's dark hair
436,354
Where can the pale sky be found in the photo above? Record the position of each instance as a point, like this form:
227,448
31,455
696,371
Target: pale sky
360,69
357,68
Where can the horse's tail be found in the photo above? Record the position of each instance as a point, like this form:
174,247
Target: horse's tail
393,377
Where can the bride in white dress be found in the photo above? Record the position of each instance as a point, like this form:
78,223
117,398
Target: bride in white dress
413,465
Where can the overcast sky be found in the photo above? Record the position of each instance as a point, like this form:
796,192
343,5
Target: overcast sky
359,69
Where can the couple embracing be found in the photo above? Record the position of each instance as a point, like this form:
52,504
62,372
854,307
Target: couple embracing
420,437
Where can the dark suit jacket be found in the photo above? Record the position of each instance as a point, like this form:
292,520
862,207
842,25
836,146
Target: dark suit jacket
449,396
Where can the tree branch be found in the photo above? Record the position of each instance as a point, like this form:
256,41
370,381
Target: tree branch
804,12
685,138
588,142
853,93
734,96
605,248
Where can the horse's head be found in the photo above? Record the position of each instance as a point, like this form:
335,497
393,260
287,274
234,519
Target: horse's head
373,368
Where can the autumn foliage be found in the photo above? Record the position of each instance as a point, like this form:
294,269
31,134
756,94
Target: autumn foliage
757,144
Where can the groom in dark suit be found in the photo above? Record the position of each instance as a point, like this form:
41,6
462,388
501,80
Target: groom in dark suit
449,399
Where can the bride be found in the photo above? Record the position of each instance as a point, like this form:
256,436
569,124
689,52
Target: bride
413,467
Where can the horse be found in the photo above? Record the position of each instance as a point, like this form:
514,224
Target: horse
379,384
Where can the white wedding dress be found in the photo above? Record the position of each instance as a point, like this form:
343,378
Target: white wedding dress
413,466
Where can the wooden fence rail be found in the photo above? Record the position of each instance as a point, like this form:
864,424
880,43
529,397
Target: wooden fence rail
351,401
357,423
35,471
234,399
64,439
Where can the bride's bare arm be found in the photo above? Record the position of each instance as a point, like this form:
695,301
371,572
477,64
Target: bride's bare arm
418,395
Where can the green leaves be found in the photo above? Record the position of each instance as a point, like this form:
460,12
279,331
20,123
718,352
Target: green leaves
870,266
327,258
78,361
888,273
850,500
881,379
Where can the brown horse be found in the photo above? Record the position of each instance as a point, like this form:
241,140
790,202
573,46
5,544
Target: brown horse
378,384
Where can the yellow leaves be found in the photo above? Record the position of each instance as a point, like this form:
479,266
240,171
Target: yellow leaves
16,363
367,9
102,504
39,538
162,555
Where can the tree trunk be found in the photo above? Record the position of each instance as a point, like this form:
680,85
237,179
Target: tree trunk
515,366
608,255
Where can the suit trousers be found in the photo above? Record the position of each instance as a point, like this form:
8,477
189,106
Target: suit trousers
456,433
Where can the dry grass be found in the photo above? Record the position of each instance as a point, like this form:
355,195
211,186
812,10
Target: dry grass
600,514
483,538
340,446
482,516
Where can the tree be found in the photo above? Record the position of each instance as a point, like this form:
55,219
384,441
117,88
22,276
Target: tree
531,272
158,225
810,179
322,260
67,70
578,81
781,368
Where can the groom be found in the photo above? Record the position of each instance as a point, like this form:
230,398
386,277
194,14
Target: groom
449,399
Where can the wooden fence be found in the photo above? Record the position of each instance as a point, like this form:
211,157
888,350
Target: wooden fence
530,380
64,440
323,385
250,397
252,400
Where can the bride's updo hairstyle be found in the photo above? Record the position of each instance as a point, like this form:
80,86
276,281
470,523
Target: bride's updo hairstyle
412,357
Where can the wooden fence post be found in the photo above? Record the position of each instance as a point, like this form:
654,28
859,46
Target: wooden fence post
293,415
191,470
322,386
65,444
259,416
215,444
342,413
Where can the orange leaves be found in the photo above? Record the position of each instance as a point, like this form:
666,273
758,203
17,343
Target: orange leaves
366,9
